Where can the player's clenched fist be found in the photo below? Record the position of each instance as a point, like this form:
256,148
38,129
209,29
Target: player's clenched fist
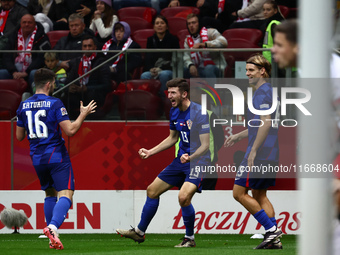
185,158
144,153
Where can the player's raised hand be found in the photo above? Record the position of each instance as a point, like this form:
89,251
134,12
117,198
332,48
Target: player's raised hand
144,153
231,140
185,158
90,108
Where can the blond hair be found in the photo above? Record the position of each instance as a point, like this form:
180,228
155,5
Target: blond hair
261,62
51,56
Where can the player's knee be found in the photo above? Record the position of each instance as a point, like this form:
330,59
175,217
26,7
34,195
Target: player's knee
151,192
237,196
259,195
184,200
51,192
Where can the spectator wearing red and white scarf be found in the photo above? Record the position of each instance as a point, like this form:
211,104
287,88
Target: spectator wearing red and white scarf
203,64
94,86
121,40
29,36
10,15
73,40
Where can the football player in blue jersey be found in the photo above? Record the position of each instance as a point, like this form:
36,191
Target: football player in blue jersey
40,118
188,124
262,151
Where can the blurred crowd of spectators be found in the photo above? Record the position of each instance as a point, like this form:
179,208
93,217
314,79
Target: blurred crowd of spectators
97,25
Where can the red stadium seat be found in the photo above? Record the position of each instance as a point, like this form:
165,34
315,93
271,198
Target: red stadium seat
176,24
137,72
139,104
9,103
54,36
17,86
109,98
181,35
146,13
284,10
293,13
237,44
176,11
137,23
153,86
252,35
229,70
141,36
167,107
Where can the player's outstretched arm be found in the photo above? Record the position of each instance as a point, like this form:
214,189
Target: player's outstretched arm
71,128
231,140
168,142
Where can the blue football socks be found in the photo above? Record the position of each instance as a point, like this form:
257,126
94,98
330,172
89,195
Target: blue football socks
188,214
263,219
60,211
149,210
49,204
273,220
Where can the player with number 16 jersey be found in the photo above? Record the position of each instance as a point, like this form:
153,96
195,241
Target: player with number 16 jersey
41,115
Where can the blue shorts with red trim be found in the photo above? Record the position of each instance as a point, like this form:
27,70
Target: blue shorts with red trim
261,176
57,175
177,173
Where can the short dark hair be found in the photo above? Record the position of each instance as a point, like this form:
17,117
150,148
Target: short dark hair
118,26
87,37
159,16
179,83
42,76
273,3
289,28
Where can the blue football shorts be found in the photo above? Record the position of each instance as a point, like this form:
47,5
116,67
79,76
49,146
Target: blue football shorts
57,175
262,176
177,173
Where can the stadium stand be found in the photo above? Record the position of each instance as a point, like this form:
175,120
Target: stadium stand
136,23
18,86
139,104
146,13
180,11
181,35
284,11
141,36
176,24
55,35
293,13
240,43
252,35
9,103
151,86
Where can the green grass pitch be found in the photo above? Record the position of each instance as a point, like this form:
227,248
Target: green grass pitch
155,244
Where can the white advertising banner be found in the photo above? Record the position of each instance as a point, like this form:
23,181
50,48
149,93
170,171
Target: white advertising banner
104,211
